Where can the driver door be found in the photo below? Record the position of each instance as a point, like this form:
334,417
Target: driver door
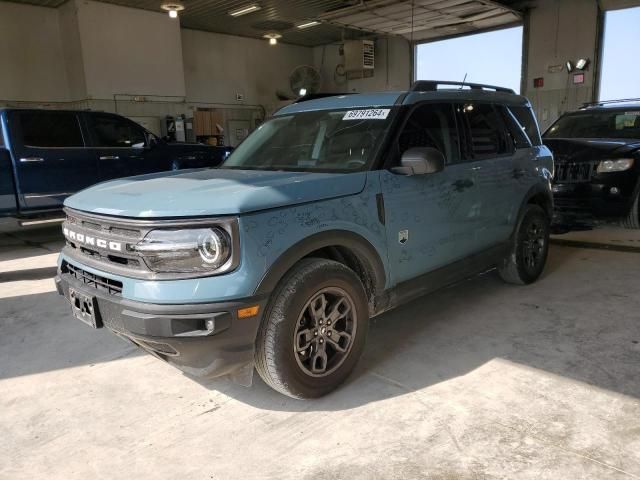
427,216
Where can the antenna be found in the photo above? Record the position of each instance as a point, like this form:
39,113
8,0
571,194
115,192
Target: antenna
463,80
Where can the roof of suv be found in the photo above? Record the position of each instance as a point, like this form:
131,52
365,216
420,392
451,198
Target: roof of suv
624,104
422,91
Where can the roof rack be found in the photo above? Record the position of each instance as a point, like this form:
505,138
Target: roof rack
608,102
313,96
432,85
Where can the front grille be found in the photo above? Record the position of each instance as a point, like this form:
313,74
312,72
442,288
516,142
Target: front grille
575,172
112,287
109,230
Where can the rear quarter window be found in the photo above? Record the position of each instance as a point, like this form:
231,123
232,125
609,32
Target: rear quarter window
528,122
50,129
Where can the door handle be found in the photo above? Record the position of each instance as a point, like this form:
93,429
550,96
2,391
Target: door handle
519,173
460,185
110,157
31,160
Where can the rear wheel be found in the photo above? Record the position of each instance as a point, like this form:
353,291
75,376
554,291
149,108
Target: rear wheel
633,219
314,330
528,255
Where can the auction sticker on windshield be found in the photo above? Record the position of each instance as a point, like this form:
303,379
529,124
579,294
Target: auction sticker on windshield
369,114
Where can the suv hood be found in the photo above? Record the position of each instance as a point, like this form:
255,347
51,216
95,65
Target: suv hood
193,193
584,150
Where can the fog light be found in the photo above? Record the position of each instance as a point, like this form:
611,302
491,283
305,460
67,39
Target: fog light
210,325
614,191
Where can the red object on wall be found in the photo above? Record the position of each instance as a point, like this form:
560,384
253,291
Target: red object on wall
578,78
538,82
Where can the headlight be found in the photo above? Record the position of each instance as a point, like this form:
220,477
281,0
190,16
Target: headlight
607,166
187,250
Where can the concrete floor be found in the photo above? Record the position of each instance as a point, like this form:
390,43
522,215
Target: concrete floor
479,381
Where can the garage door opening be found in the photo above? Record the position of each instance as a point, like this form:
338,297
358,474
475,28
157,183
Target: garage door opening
620,72
493,58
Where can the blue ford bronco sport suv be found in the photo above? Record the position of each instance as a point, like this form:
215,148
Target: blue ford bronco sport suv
335,210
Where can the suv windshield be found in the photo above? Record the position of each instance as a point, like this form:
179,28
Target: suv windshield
597,124
322,141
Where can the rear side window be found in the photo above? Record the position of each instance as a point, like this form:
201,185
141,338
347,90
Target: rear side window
487,131
111,131
528,122
50,129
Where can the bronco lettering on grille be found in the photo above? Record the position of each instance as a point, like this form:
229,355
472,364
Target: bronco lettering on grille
92,241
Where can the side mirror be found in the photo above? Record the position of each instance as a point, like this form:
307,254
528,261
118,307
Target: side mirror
419,161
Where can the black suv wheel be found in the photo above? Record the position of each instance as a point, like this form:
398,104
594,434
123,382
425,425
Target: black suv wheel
528,255
314,330
633,219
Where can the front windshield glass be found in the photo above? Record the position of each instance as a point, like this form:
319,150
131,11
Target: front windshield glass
322,141
610,124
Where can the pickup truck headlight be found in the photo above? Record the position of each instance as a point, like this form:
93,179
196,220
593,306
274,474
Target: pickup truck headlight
607,166
199,250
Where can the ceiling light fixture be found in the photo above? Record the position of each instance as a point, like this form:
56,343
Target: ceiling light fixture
272,37
245,10
173,8
313,23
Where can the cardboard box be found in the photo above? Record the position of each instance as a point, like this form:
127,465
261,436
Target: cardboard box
208,122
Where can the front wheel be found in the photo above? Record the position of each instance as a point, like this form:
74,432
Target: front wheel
528,254
314,331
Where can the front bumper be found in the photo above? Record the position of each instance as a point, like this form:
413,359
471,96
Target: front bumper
177,333
595,201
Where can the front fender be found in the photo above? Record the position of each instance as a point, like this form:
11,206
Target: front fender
356,244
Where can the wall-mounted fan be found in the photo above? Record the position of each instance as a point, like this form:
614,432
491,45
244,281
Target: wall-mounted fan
305,80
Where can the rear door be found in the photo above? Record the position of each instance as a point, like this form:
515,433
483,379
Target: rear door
50,156
490,151
121,147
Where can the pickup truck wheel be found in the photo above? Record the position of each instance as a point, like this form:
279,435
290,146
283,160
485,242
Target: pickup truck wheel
528,255
633,219
314,330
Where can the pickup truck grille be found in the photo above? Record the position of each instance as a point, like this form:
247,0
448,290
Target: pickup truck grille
569,172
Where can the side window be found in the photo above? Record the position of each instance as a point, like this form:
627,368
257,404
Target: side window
514,129
487,131
47,129
112,131
432,125
528,122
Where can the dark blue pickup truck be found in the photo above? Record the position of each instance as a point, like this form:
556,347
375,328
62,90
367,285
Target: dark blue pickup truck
47,155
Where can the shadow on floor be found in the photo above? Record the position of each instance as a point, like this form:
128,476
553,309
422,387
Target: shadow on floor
578,331
578,322
32,274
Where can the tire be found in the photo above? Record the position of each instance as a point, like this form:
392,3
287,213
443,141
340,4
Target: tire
288,355
633,219
528,255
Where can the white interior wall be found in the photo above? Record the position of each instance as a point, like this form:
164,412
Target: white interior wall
72,50
31,54
129,51
559,31
217,67
392,71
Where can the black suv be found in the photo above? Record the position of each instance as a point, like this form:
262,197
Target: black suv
597,164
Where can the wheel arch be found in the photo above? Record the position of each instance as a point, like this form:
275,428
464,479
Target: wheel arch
541,196
343,246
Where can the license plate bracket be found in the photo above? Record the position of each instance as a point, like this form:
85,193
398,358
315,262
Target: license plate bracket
85,308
